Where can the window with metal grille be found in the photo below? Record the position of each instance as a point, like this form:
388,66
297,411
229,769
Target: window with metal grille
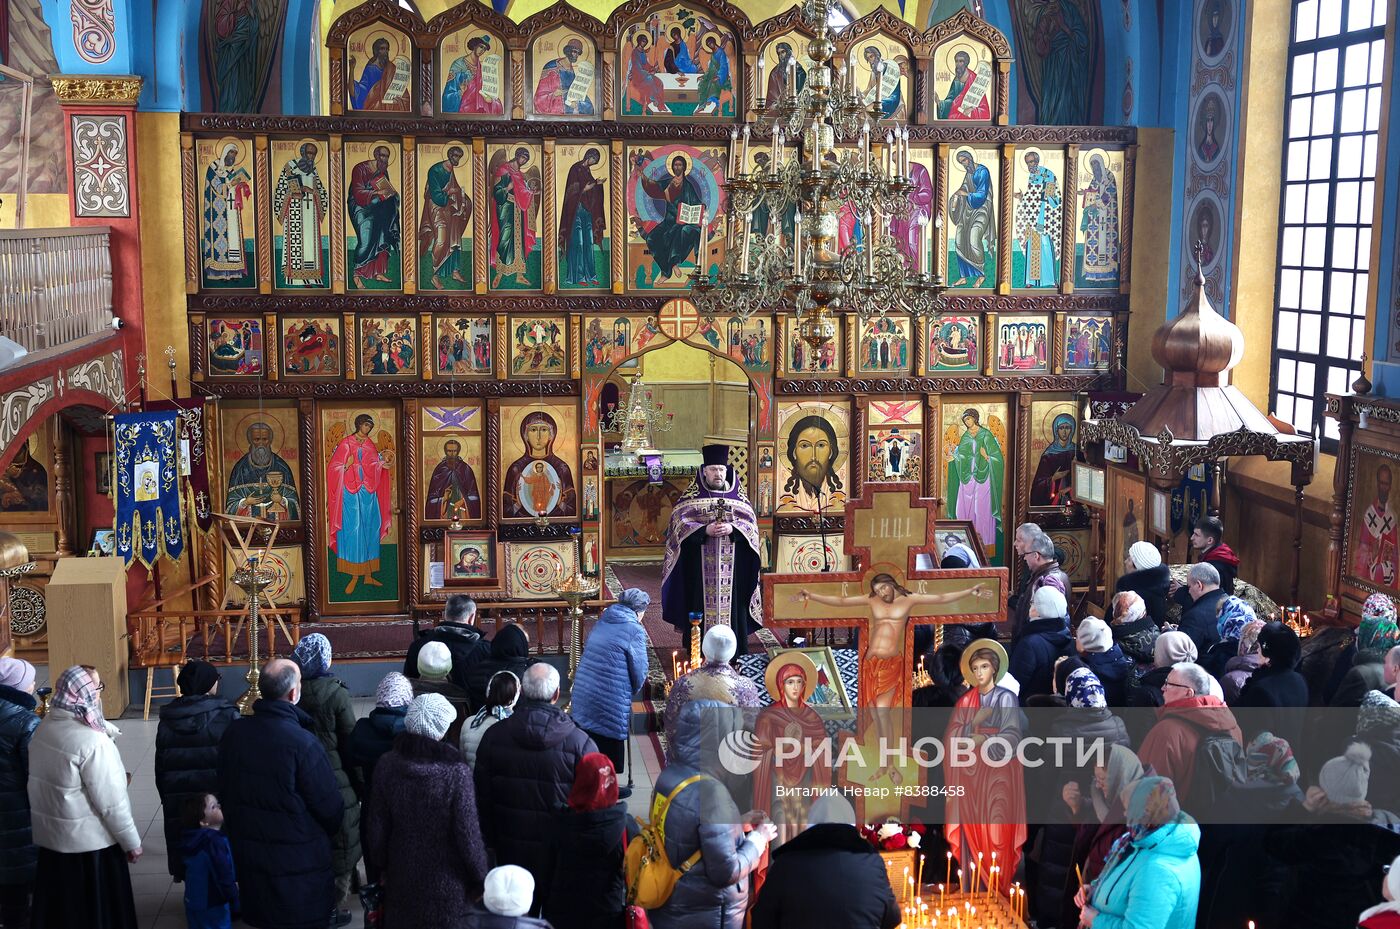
1336,59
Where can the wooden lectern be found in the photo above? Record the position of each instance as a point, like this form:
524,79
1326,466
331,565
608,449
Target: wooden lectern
87,624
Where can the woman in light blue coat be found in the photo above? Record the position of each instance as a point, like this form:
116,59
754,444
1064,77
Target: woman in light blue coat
612,668
1153,878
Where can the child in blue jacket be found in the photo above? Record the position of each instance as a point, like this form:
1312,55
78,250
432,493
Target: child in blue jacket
211,891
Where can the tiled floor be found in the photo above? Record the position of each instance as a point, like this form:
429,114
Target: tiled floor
160,902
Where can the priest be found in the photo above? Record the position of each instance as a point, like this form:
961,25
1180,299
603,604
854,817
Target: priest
711,563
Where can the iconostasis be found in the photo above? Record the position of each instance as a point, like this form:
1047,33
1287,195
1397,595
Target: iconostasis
416,310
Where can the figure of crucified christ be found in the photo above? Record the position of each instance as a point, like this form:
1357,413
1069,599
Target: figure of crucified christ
883,667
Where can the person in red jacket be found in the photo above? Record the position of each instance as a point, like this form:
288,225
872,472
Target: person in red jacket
1188,715
1208,538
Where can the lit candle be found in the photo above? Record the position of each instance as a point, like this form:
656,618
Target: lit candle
949,877
797,245
746,233
744,156
941,889
762,61
865,144
733,149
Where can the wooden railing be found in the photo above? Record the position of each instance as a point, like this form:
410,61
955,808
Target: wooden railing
170,637
55,286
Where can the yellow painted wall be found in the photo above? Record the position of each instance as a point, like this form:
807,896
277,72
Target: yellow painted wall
162,246
1151,265
1257,214
41,211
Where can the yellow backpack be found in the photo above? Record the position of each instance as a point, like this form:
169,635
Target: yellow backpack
650,875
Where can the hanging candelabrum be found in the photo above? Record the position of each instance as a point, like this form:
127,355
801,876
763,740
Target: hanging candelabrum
575,589
639,419
818,171
252,579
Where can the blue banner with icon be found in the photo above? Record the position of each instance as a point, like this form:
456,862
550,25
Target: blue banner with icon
148,524
1190,500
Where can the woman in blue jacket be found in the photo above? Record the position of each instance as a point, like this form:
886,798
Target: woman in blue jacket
612,669
1153,878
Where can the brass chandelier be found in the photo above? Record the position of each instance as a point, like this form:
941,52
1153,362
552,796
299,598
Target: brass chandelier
808,173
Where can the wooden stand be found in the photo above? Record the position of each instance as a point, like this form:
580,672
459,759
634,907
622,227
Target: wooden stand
87,624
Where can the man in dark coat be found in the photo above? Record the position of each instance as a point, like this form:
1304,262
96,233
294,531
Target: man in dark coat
456,630
18,854
187,749
1277,691
1044,638
827,876
1199,619
281,807
524,770
1208,538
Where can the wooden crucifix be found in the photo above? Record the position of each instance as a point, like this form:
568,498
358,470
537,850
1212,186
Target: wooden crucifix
888,595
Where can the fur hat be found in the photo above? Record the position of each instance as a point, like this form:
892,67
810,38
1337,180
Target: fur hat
1094,635
434,660
1145,555
429,715
1346,778
510,890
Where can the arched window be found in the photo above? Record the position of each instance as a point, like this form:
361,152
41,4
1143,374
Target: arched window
1336,58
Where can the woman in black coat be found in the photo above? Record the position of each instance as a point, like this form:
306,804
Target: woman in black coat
17,851
1145,575
187,749
373,737
510,651
586,890
1276,686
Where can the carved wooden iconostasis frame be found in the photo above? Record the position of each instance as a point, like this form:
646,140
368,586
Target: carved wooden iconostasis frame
452,326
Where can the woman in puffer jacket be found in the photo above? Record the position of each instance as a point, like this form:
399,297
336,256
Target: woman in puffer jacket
612,668
714,894
1153,877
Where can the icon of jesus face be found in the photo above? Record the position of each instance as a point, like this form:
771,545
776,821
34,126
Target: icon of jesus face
813,454
885,591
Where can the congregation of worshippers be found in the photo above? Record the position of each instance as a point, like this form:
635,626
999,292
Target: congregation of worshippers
699,464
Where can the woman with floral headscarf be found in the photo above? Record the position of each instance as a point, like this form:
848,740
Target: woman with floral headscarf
1153,878
1377,635
81,813
1231,616
587,890
327,700
1095,838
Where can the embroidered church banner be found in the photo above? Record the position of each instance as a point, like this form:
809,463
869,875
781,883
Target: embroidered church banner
148,524
193,453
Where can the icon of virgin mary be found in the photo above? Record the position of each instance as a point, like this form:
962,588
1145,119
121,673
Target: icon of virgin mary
538,483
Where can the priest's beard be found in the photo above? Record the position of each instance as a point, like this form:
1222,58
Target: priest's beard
260,457
720,486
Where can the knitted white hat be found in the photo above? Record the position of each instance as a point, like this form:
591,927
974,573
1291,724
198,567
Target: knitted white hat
1145,555
434,660
1049,603
510,890
429,715
1346,778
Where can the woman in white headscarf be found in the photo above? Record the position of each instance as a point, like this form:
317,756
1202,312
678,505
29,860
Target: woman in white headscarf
1145,575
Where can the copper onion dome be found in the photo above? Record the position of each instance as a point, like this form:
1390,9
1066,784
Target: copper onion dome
1196,401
